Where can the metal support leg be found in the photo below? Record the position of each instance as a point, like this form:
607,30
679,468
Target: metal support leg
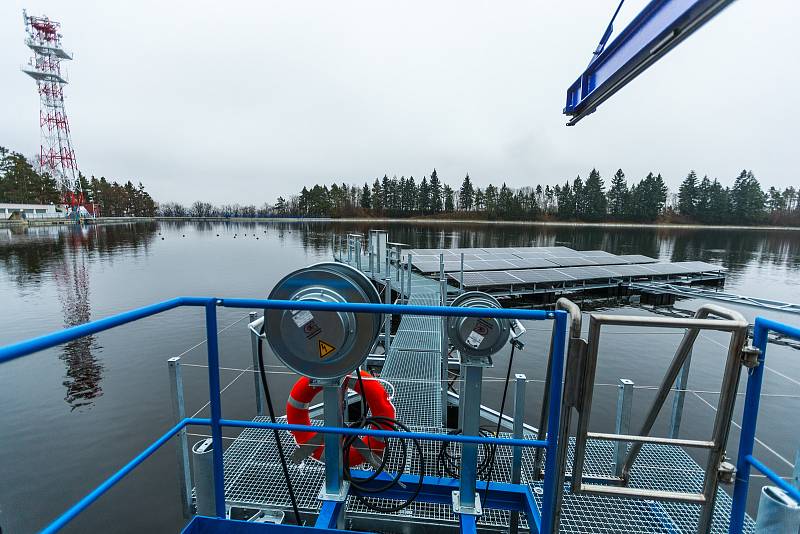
461,275
410,266
677,401
443,344
387,331
796,474
358,254
256,377
178,414
349,249
371,262
397,262
335,488
468,499
516,453
402,283
623,423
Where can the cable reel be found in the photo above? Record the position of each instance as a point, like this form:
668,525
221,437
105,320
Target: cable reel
478,337
323,344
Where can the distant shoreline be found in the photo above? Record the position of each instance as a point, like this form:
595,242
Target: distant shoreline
363,220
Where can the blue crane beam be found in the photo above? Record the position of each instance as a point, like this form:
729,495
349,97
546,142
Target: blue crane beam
661,26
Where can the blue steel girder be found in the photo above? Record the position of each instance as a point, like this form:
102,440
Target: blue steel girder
660,26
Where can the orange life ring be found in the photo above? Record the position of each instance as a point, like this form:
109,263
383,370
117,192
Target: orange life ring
311,443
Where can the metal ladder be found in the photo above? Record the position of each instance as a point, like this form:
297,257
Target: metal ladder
577,394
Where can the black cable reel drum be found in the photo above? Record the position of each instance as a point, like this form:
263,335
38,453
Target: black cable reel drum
323,344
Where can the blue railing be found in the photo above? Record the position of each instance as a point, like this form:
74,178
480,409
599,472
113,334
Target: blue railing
505,496
745,458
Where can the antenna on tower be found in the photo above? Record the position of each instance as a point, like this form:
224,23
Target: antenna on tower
56,155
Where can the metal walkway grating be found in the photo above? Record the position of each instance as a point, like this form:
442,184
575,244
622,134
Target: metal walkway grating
253,478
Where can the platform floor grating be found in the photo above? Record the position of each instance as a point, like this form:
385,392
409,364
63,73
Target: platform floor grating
253,478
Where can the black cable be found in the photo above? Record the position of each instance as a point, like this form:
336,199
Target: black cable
268,397
499,420
382,423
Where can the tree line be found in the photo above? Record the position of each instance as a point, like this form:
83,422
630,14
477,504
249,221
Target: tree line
21,183
647,200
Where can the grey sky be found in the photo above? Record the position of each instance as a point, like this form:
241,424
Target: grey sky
242,102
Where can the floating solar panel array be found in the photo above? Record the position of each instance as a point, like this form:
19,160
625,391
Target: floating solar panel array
579,274
514,258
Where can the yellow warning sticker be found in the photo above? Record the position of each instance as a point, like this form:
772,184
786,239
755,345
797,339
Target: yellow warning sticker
325,348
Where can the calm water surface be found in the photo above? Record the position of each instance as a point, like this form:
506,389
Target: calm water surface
73,415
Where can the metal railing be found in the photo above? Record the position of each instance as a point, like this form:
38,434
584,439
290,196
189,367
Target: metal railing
745,458
511,497
732,322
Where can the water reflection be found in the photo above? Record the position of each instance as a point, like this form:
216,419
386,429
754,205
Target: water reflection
63,252
84,371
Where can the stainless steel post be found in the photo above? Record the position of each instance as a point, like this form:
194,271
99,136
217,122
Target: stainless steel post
410,266
402,282
178,414
623,422
256,376
796,474
722,425
516,453
371,262
461,275
335,488
397,261
443,339
680,396
469,501
358,254
349,248
387,331
202,460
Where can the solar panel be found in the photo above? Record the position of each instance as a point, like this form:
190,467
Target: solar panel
701,266
607,260
572,261
490,265
637,258
532,263
630,270
590,253
501,278
587,273
668,268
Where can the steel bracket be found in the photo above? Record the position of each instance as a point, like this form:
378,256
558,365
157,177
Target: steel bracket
750,356
341,496
467,510
726,472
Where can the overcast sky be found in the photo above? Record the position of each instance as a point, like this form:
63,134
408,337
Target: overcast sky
242,102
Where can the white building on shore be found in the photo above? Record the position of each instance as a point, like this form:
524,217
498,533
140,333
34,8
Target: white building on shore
29,211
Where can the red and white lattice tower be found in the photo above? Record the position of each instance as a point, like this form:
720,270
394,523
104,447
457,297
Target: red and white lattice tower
56,156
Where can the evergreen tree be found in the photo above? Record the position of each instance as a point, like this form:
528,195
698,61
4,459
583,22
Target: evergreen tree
566,202
618,196
424,196
377,196
366,197
594,193
449,204
466,194
688,195
747,198
435,193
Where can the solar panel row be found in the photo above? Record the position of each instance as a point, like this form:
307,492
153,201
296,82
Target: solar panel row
551,275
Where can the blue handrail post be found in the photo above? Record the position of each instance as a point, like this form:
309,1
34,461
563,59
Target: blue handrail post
748,434
549,502
216,406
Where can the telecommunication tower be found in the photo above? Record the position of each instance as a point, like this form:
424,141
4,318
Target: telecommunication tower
56,155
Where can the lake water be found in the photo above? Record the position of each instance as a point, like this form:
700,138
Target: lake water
73,415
